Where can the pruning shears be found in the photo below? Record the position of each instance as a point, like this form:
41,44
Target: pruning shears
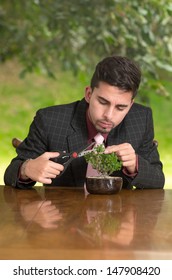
66,158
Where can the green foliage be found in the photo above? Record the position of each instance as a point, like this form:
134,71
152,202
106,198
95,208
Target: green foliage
41,32
105,164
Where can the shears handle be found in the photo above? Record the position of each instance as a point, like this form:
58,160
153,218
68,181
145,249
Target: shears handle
62,158
65,159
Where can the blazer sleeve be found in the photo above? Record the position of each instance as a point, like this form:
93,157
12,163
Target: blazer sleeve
34,145
150,173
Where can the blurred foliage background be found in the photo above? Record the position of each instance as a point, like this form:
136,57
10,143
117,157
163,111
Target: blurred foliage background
49,48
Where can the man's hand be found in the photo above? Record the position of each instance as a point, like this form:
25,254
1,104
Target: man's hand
42,169
126,154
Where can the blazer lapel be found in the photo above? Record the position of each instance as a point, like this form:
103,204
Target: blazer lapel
79,139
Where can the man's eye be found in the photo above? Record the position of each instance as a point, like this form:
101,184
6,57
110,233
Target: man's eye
102,102
120,108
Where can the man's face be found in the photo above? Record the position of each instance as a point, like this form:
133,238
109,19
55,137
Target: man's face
108,105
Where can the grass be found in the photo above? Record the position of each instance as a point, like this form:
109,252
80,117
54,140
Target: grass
20,98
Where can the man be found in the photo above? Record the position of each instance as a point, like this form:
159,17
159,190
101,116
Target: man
108,108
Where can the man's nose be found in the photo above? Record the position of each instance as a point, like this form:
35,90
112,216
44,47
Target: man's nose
108,114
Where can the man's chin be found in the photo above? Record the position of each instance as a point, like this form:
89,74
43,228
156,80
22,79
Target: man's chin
104,130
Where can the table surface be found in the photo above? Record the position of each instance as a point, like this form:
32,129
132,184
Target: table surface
66,224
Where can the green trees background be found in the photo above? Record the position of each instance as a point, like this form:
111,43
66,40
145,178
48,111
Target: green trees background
43,37
78,33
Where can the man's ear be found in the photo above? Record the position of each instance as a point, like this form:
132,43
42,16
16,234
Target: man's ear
88,92
132,102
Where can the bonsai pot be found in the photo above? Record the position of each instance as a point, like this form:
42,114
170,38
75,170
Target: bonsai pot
103,185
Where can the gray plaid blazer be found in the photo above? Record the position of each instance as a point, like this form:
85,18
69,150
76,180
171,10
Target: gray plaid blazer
63,128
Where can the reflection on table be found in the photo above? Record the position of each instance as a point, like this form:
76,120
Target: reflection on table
63,223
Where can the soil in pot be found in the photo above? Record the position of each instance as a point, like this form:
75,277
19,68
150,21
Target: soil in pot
104,185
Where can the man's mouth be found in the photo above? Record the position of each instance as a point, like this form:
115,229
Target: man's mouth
106,125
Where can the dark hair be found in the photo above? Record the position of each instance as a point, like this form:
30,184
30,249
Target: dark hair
117,71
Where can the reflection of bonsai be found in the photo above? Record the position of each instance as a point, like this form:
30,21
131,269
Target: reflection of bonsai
105,164
105,228
102,223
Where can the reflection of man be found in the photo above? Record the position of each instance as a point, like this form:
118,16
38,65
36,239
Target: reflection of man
115,221
33,209
44,213
121,221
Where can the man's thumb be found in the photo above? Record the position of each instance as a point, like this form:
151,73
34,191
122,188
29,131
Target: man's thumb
49,155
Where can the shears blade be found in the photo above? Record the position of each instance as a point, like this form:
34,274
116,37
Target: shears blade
86,150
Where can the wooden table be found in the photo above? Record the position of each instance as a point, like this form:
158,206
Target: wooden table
65,224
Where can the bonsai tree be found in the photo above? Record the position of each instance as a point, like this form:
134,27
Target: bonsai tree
105,164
